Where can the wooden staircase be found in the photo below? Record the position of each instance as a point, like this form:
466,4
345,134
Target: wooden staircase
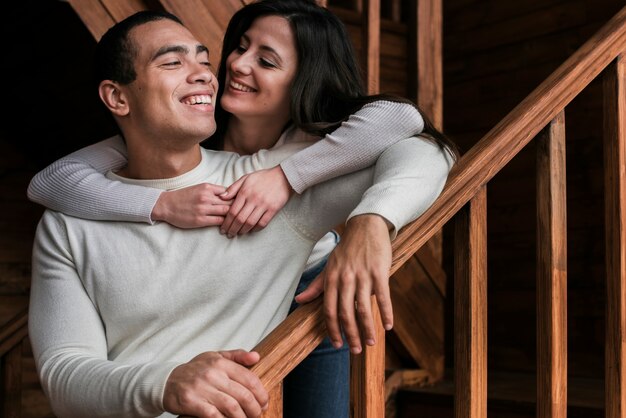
464,199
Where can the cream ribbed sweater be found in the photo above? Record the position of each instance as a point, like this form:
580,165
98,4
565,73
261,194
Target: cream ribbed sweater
115,306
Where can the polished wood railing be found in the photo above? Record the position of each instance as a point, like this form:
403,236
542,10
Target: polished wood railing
464,199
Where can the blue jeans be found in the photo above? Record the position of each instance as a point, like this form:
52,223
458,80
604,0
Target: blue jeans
319,387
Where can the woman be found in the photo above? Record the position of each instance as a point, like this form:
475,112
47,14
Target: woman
279,82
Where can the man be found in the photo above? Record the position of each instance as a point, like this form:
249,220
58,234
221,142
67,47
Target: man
136,320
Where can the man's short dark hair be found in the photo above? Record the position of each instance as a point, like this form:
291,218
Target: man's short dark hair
115,52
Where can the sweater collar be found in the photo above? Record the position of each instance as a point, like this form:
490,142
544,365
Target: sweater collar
194,176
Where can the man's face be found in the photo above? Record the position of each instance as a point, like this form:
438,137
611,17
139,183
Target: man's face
171,99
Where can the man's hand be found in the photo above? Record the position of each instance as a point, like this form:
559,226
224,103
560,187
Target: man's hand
357,268
257,198
216,384
192,207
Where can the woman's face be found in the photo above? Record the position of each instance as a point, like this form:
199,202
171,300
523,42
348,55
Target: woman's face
260,71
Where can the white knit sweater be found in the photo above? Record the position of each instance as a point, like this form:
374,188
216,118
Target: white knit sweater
115,306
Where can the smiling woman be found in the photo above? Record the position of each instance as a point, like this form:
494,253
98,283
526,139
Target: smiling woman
261,71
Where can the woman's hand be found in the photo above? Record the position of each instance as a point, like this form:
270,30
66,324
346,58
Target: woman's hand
356,269
192,207
257,198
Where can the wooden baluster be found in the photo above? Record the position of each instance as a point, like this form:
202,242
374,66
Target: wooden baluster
426,59
371,44
615,218
426,83
552,272
470,308
367,380
367,375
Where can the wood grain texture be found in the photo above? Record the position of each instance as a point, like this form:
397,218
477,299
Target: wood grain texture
370,52
120,10
470,309
427,64
13,331
398,380
489,156
94,15
206,21
418,311
483,161
12,335
11,389
552,272
367,375
615,218
275,409
293,340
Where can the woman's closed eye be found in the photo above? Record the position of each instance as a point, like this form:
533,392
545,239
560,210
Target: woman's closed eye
267,63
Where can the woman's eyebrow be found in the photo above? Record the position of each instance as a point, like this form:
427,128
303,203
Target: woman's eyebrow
271,51
265,48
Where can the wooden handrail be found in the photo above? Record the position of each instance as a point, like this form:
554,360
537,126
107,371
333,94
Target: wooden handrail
298,335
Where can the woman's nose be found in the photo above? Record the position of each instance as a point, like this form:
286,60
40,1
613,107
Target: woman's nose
241,64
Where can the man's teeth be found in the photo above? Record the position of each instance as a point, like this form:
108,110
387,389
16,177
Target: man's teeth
201,99
240,87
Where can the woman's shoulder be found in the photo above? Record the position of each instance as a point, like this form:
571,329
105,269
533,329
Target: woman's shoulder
387,105
295,135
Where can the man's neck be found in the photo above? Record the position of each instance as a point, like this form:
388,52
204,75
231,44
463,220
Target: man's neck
159,162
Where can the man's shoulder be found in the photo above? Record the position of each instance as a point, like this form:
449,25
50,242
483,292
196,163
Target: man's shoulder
51,226
52,220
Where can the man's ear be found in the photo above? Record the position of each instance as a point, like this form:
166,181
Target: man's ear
113,97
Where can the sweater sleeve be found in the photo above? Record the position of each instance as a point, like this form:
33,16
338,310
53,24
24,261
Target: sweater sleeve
76,185
355,145
69,341
404,182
